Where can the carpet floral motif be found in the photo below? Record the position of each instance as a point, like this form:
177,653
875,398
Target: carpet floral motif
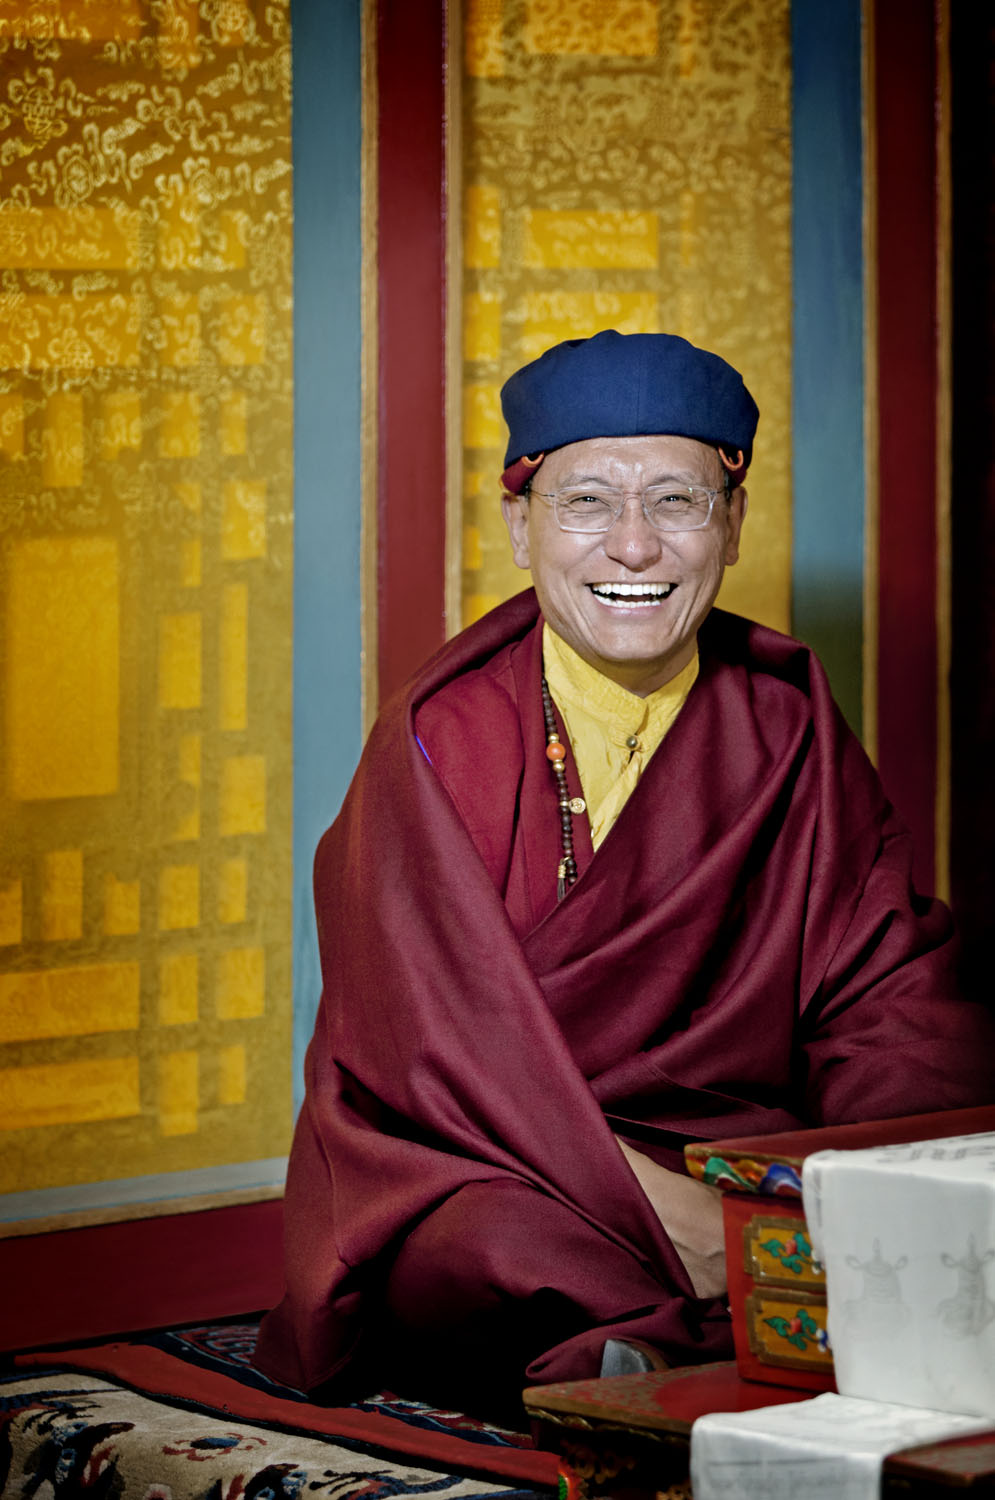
182,1414
67,1435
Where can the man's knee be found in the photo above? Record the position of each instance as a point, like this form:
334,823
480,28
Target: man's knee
450,1265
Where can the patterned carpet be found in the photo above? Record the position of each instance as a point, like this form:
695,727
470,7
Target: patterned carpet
181,1415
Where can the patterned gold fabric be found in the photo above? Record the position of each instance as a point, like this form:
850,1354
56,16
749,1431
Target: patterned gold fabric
145,552
627,165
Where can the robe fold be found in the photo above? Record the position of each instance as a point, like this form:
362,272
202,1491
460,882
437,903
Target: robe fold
745,953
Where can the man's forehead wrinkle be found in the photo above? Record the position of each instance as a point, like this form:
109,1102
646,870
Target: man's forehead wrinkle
668,476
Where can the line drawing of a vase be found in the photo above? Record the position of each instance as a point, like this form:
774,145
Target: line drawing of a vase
879,1310
970,1309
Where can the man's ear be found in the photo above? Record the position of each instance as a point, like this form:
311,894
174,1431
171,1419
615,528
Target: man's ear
516,517
734,522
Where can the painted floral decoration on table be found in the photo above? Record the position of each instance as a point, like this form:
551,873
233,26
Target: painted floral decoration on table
793,1253
801,1330
747,1176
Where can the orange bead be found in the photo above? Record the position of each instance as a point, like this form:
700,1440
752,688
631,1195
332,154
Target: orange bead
556,752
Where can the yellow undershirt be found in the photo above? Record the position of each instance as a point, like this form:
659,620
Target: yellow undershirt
602,719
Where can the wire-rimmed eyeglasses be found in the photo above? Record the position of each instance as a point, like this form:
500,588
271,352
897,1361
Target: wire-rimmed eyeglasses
667,507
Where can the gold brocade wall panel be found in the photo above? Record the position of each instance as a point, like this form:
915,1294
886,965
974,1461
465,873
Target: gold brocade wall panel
627,165
145,586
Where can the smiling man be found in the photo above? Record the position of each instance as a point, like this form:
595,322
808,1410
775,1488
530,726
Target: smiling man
613,874
631,597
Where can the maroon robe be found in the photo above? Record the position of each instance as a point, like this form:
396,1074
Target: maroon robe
743,954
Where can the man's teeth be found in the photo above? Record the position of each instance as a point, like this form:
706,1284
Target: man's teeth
645,593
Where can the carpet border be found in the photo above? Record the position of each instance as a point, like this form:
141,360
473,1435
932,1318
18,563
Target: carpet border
221,1395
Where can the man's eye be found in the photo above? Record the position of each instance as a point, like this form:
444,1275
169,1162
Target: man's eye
669,499
587,502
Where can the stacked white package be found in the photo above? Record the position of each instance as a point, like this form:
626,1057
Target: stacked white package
829,1448
907,1238
906,1235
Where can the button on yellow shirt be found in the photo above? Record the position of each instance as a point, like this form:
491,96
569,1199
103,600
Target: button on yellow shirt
612,732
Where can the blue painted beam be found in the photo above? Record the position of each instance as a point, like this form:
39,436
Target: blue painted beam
828,341
327,117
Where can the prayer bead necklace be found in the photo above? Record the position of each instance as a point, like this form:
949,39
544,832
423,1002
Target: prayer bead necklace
556,754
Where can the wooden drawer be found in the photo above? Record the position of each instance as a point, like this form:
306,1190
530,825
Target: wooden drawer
777,1293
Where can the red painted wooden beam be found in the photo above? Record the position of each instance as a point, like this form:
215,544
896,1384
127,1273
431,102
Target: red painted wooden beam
142,1273
412,336
905,92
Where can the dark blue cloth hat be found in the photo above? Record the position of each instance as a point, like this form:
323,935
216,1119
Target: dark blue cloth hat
626,385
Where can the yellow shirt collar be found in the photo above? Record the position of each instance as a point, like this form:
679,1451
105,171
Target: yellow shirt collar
618,711
613,733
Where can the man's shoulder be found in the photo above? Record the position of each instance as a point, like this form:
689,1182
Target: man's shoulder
469,726
474,700
772,692
731,640
775,680
472,730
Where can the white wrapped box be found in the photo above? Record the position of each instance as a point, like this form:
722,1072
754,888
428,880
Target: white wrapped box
907,1238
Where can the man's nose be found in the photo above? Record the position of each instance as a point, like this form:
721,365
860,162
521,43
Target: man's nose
632,540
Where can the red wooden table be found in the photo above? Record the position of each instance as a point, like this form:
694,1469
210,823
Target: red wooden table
630,1436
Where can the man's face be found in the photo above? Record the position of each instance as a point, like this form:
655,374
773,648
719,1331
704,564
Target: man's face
638,640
